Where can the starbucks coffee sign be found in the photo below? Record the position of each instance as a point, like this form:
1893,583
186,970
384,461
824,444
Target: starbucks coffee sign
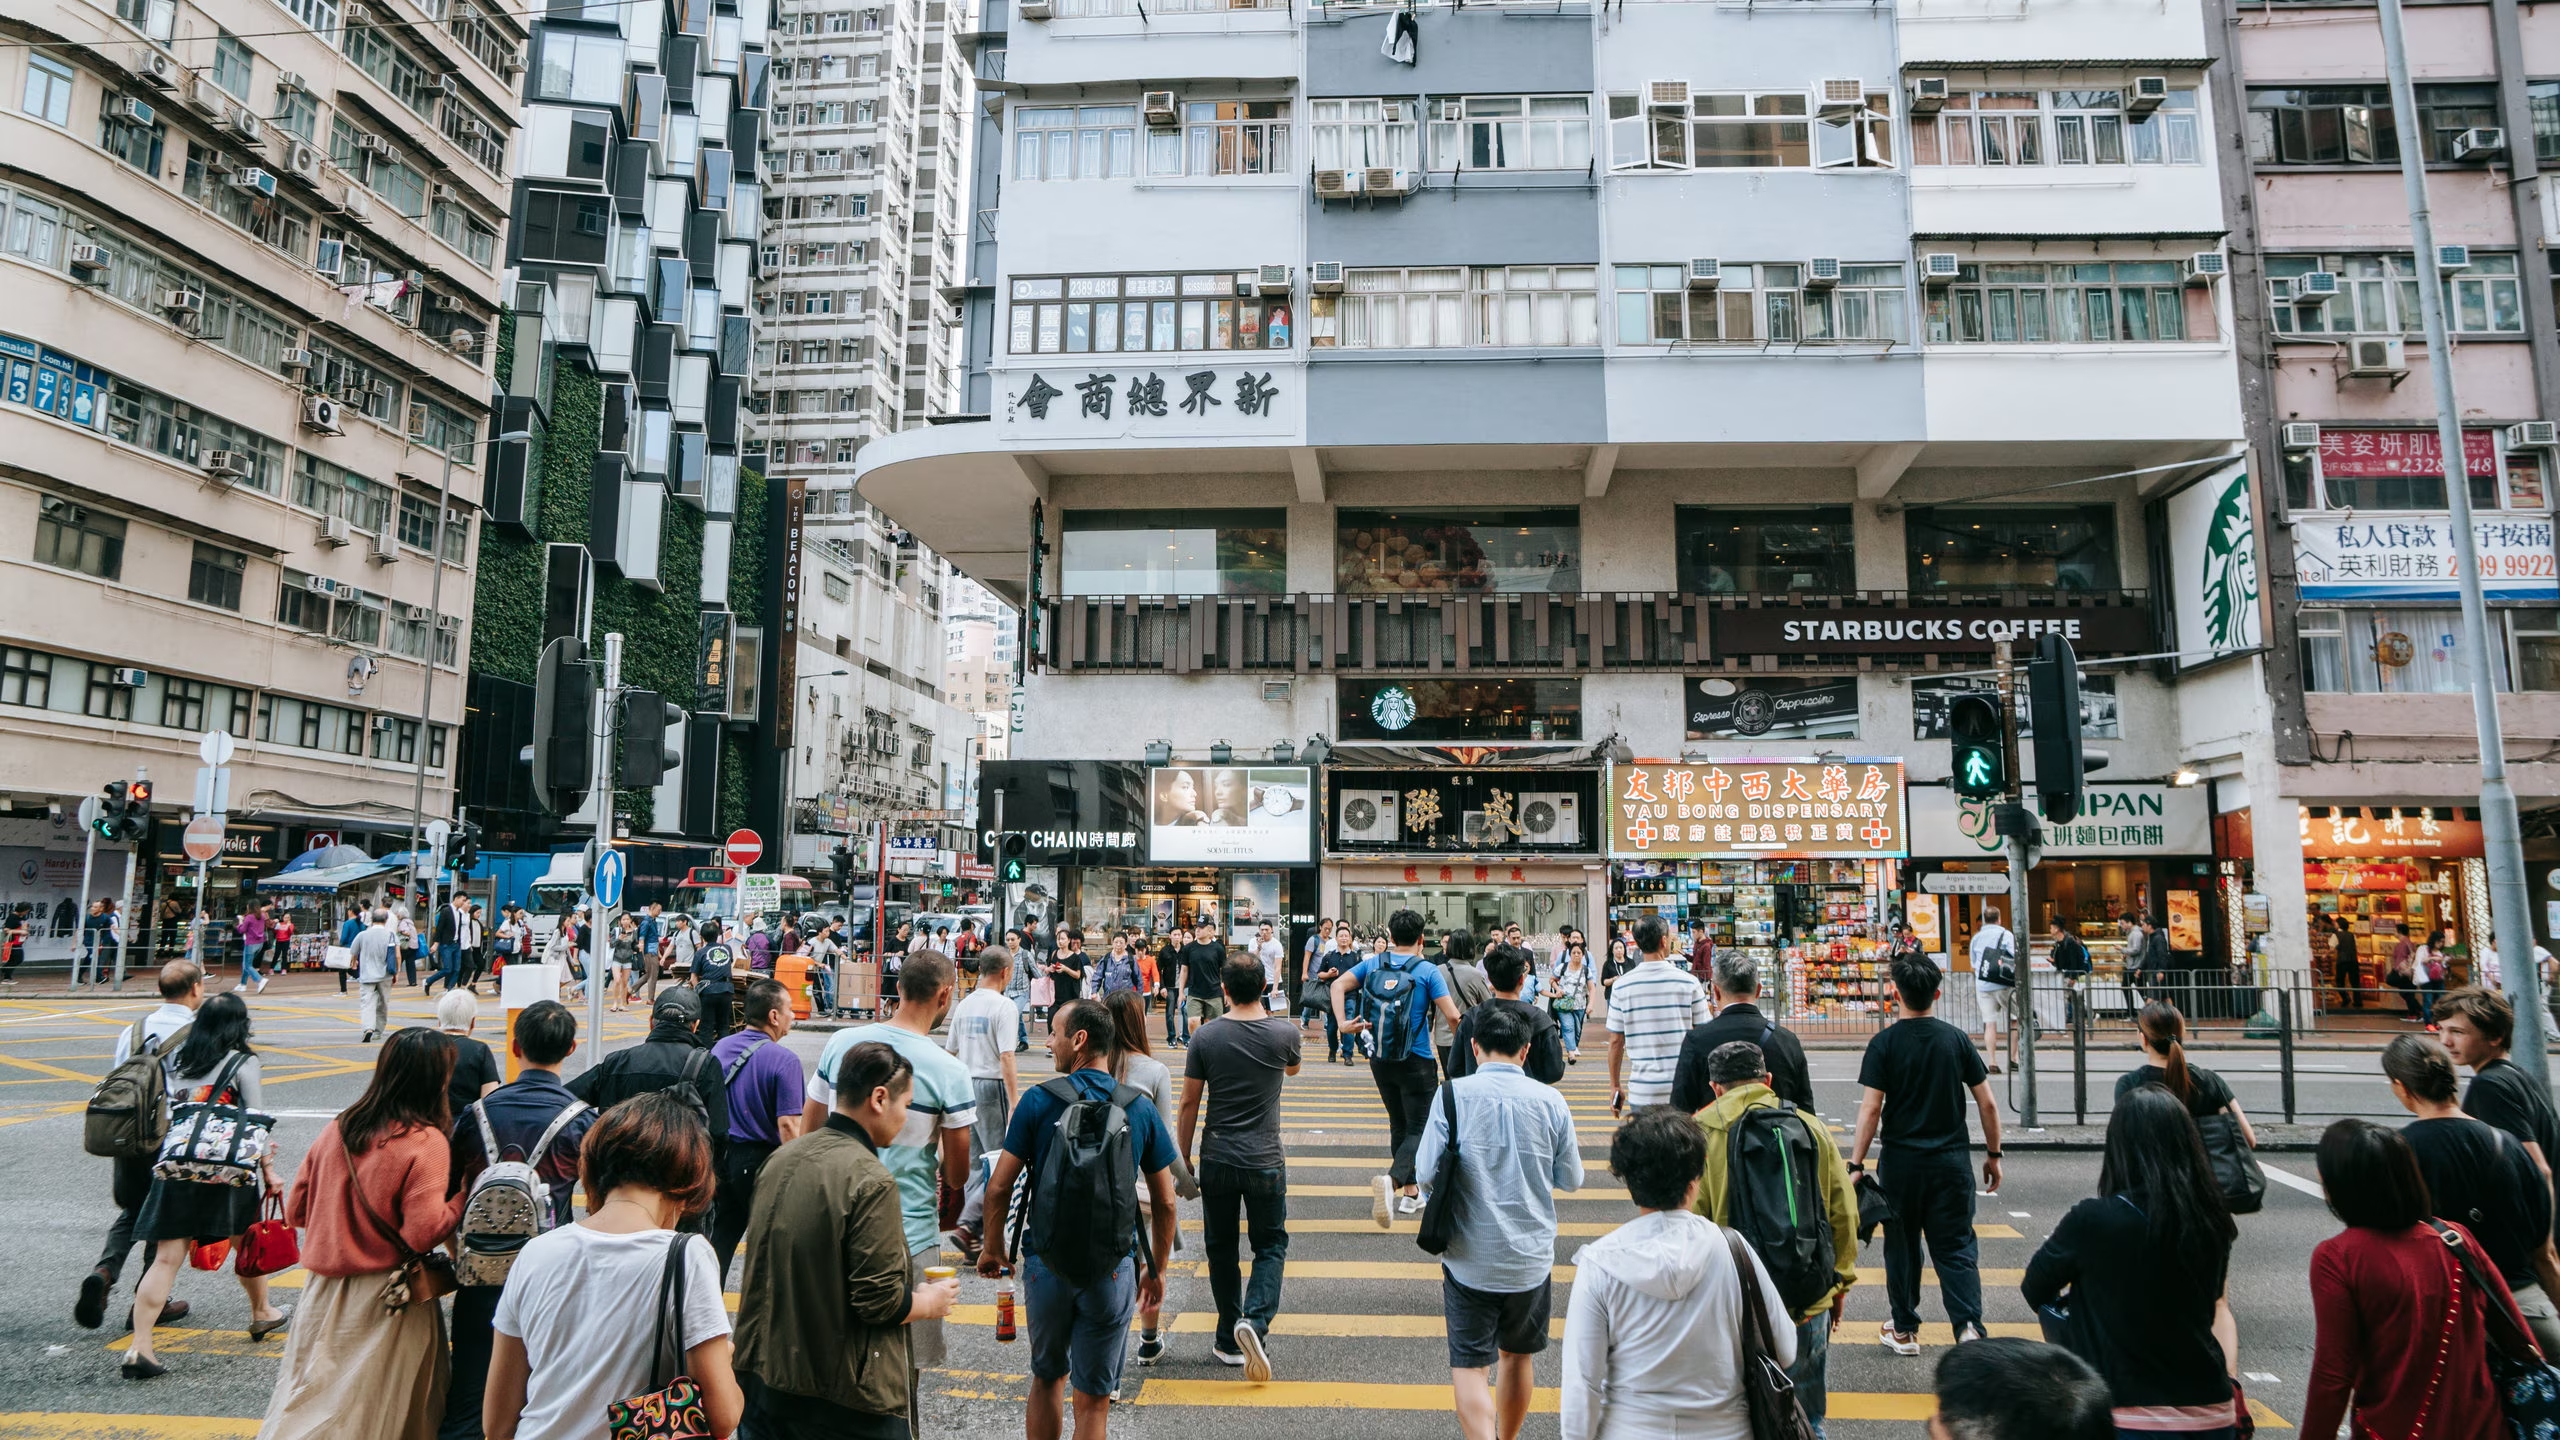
1928,629
2213,563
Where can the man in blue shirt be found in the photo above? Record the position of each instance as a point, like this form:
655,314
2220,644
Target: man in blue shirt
1516,1148
1404,1067
1079,1333
766,1100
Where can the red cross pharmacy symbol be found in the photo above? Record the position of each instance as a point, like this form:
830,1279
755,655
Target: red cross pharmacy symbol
1875,833
1642,833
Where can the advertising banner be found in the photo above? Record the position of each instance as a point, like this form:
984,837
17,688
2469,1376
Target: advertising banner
2213,563
2115,821
1809,808
1229,815
1721,708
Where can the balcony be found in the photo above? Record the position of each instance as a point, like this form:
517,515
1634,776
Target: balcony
1531,633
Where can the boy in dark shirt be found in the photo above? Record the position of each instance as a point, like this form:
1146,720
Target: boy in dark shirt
1505,967
2477,1174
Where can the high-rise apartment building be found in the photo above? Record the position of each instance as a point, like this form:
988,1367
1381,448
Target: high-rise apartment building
252,270
1401,421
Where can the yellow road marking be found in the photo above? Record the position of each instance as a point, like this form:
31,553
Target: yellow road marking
68,1426
1346,1191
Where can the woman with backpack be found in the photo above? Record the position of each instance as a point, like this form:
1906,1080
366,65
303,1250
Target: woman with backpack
1134,1065
367,1359
215,1065
2164,1053
1569,996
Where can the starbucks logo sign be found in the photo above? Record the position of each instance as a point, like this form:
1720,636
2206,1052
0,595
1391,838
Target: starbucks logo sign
2230,577
1392,708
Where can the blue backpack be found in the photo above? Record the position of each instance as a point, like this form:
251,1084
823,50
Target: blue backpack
1388,994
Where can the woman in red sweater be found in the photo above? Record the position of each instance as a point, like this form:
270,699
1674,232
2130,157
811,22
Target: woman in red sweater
370,1196
2403,1338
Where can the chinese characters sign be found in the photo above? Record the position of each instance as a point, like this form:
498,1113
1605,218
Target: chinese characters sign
2411,557
2350,834
2362,454
1142,399
1792,809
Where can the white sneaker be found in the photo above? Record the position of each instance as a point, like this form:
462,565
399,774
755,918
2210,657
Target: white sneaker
1382,1205
1257,1362
1409,1205
1897,1342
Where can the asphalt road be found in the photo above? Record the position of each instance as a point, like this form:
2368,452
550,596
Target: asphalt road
1359,1336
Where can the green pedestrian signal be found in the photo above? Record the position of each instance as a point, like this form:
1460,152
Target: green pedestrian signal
1981,772
1977,755
1013,872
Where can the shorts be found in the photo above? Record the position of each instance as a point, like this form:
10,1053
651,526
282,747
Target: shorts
925,1350
1994,1002
1205,1008
1080,1334
1481,1322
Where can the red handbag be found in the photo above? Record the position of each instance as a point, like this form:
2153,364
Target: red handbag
209,1257
270,1247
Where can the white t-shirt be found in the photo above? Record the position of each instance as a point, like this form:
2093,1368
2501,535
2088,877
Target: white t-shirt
1990,937
584,1304
984,1029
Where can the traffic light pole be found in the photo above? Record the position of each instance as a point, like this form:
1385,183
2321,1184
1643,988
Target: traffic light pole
88,862
600,794
2022,1029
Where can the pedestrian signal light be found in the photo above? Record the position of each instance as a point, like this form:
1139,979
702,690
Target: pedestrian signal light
1976,755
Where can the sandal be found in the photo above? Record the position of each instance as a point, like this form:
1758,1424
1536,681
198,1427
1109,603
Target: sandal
261,1329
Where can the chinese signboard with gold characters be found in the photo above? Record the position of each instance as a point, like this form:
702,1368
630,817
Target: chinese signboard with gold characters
1782,809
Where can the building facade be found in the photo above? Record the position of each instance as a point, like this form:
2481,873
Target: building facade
1474,402
253,268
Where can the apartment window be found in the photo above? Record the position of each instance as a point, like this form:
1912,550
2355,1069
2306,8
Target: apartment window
1966,547
1379,552
359,620
2056,127
578,66
26,678
836,586
2448,110
1173,552
131,141
1223,137
1103,313
1511,132
231,65
1759,303
1358,134
182,704
105,698
1088,142
2378,295
418,528
297,113
867,68
76,537
330,490
48,95
1448,306
2542,98
213,576
2124,302
2422,652
1745,551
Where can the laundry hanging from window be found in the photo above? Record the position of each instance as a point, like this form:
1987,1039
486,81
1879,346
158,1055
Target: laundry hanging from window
1403,44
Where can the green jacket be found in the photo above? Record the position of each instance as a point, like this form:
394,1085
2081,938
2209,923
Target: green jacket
1837,1196
823,1304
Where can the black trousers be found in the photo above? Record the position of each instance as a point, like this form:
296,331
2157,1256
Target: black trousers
132,1186
475,1309
715,1014
736,1198
1932,1195
1406,1088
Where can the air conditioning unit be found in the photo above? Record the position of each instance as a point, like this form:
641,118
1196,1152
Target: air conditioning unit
330,258
1366,817
369,143
322,584
246,125
2378,356
386,547
2280,292
1379,180
1928,95
2206,266
449,624
154,68
2533,435
335,533
2450,258
1324,277
1337,184
2147,95
1666,94
320,415
290,82
445,193
181,304
1834,96
1160,111
262,182
227,464
130,678
1704,274
382,724
358,204
2300,435
2481,142
1035,9
1272,280
87,258
416,614
1549,818
303,160
446,85
202,95
474,129
131,110
514,65
1941,267
2315,287
1822,272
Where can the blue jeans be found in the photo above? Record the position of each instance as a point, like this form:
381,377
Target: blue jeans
1813,1355
1177,1023
249,965
448,966
1570,1022
1080,1334
1335,1043
1263,1196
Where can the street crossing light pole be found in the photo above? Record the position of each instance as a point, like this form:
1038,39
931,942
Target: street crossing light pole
2015,825
600,773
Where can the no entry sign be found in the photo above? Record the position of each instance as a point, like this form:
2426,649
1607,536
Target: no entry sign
745,848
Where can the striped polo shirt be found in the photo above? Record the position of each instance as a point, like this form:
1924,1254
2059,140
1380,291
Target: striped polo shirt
1653,1006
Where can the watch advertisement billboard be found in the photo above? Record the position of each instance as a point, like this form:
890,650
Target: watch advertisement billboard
1229,815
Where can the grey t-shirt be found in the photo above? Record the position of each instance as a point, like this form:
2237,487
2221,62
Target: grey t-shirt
1241,1063
1469,988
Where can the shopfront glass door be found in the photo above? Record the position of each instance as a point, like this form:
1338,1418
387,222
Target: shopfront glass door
1540,913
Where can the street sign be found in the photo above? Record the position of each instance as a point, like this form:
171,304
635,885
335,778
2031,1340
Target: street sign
438,832
213,789
204,838
1965,884
216,747
608,882
759,894
89,815
744,848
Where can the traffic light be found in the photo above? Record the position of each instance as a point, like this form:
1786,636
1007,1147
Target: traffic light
464,850
642,729
2053,706
840,864
1976,751
135,824
1016,849
563,695
110,810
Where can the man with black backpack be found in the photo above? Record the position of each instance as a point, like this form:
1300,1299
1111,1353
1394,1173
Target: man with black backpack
1399,996
1774,1175
675,1056
532,1123
1085,1141
766,1099
1739,1017
714,965
127,1117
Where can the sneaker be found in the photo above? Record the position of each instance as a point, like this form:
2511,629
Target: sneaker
1150,1349
1382,1204
1409,1205
1970,1332
90,1310
1897,1342
1224,1356
1257,1363
368,1038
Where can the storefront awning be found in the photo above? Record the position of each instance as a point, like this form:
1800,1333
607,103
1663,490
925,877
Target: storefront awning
324,881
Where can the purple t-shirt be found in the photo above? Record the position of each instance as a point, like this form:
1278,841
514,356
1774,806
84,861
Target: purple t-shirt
768,1086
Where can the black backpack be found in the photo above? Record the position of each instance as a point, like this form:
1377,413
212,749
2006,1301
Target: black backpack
1773,1196
1084,1200
1390,991
2070,956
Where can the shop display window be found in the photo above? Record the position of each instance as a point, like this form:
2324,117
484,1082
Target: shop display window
1817,929
1386,552
2047,547
1739,551
1541,913
1442,710
1174,552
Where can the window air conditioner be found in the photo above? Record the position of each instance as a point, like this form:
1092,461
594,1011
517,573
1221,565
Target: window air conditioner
371,144
88,257
446,84
1379,180
261,182
1703,274
294,360
1366,817
1941,267
127,108
1035,10
446,194
2450,258
1273,280
202,95
2533,435
357,205
2314,287
1161,114
130,678
181,304
2280,292
416,614
1836,95
2480,143
226,464
334,532
2147,94
1550,818
1822,272
382,724
2378,356
1337,184
449,623
386,547
244,123
1324,277
290,82
2301,435
2206,266
154,67
321,584
320,415
1666,94
1928,95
